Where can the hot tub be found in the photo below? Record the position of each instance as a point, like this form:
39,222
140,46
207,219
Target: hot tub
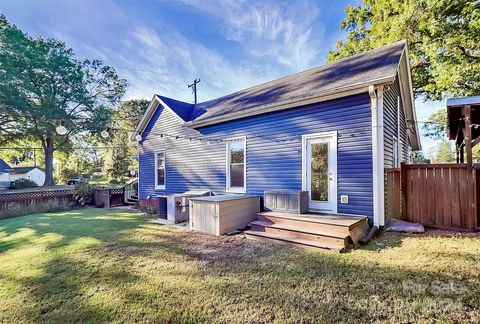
223,214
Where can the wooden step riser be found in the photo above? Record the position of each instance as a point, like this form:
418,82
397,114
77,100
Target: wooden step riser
306,226
297,245
315,238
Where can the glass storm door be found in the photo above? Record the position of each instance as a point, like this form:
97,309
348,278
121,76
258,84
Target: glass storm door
320,165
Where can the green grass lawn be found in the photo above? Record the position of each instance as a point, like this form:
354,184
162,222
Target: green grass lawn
107,265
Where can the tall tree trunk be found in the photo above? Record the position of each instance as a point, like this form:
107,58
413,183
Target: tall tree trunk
49,162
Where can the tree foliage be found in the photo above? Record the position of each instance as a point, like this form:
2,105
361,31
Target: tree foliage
42,83
419,157
443,38
122,158
445,153
436,127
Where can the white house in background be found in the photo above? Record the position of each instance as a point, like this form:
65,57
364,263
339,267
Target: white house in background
9,174
5,171
33,173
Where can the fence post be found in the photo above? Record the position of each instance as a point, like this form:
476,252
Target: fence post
472,210
403,191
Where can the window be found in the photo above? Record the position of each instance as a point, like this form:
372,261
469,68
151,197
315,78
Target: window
236,165
160,169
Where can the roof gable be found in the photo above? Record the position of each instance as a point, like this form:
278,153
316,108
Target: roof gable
180,109
4,167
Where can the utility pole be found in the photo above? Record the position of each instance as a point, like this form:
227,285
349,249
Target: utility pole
194,88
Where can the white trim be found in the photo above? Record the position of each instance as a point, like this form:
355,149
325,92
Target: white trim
227,165
408,105
327,95
160,187
399,134
333,161
412,96
138,175
152,107
376,95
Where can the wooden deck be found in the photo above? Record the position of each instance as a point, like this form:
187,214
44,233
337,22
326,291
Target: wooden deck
310,231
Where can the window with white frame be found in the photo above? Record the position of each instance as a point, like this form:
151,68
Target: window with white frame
236,171
160,174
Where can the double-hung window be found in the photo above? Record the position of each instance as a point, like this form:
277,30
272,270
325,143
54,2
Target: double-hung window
236,165
160,174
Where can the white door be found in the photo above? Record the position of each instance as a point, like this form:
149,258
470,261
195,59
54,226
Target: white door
320,171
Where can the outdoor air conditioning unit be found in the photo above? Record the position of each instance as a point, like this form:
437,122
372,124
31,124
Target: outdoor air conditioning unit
162,206
178,205
286,201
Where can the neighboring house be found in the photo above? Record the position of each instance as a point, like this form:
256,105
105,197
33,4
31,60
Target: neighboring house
33,173
5,171
9,174
330,130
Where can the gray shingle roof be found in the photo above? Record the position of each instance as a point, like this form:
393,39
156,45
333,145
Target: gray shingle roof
361,68
25,169
357,72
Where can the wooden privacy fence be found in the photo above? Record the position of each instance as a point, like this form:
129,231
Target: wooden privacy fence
26,199
435,195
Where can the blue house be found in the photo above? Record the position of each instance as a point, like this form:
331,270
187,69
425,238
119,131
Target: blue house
330,130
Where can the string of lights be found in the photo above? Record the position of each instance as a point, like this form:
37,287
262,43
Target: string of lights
68,148
61,129
62,120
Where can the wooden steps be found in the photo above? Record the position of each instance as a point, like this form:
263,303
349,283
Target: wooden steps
133,200
309,231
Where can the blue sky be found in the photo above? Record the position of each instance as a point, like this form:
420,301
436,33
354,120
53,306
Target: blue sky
161,46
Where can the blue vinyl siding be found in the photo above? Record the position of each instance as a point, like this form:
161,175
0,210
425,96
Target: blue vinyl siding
390,123
274,151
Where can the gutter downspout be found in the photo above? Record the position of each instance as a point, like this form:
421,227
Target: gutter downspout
376,96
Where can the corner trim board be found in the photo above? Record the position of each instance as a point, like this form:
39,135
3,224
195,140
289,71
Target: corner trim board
376,96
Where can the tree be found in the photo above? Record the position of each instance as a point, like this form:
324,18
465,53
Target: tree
436,127
130,112
43,84
445,152
419,157
443,38
122,158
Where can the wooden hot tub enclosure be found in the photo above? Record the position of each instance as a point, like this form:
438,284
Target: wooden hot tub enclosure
223,214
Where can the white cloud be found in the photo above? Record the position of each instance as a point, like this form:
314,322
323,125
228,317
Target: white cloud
272,39
273,30
167,64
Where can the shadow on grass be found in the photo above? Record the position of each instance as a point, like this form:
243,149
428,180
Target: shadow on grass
144,272
305,286
100,224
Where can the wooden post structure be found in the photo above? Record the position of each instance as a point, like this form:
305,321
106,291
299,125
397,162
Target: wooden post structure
403,190
468,133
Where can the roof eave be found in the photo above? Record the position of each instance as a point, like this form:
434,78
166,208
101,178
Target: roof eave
147,116
407,92
327,95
